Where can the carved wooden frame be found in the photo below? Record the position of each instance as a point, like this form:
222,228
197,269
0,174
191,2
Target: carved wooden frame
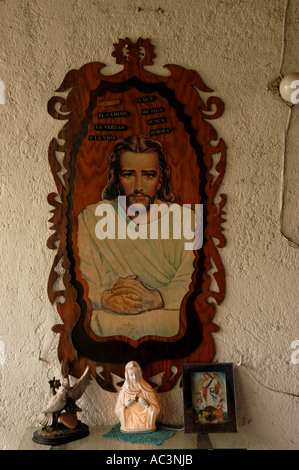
182,89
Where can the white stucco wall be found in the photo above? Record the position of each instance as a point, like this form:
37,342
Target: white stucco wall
235,45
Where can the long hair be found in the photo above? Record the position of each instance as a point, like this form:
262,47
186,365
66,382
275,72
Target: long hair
137,144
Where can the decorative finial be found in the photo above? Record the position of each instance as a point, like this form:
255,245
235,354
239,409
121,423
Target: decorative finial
128,53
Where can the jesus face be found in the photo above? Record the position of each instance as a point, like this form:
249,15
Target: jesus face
139,178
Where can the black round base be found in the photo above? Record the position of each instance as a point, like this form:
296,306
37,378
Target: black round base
61,435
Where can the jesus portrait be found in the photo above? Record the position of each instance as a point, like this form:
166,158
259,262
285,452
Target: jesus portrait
136,279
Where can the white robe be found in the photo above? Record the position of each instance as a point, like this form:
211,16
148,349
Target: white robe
137,417
162,264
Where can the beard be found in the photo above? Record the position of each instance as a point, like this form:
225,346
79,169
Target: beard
132,199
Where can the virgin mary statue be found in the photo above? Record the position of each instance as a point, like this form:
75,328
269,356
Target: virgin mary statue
137,405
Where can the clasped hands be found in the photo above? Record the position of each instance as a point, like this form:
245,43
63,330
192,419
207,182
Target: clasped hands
135,400
129,296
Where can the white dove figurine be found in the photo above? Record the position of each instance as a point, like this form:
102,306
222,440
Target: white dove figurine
59,400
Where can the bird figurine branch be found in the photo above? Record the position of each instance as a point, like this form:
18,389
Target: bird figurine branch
59,417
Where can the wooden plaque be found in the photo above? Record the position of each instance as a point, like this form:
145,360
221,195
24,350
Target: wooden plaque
103,113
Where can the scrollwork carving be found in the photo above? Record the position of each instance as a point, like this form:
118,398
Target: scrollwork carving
171,110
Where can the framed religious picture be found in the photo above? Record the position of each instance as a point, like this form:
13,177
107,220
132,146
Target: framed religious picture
136,217
209,398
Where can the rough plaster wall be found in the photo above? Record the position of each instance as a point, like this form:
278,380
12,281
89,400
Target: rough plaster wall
235,46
